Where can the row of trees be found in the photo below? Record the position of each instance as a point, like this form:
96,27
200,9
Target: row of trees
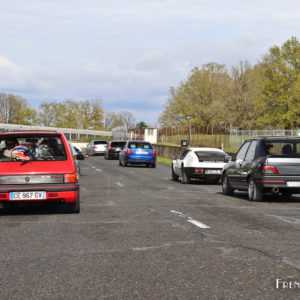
266,95
67,114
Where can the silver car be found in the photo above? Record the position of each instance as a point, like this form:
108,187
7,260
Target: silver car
96,147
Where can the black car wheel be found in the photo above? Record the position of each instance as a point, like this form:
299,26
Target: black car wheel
174,176
254,192
153,165
226,188
3,207
184,177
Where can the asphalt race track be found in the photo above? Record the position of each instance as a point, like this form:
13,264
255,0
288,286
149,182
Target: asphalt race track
142,236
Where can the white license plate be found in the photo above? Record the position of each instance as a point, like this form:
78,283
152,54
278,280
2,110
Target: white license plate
212,171
27,195
293,183
141,152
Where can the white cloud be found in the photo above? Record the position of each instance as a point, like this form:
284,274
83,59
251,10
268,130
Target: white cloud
129,53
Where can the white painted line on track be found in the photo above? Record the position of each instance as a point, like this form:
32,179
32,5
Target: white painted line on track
176,212
197,223
98,170
287,219
120,184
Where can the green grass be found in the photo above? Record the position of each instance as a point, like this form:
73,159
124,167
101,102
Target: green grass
231,150
168,144
164,160
196,139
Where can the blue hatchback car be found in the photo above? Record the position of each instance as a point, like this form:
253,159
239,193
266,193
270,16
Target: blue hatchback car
138,152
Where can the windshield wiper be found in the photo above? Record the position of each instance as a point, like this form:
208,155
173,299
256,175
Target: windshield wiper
25,162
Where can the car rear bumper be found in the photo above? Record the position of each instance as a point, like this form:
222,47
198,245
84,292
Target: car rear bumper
288,183
191,172
66,193
113,154
98,152
141,160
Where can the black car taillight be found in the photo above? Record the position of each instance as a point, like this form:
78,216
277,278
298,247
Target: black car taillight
269,170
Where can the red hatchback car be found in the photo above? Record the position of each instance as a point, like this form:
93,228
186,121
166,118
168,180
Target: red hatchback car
38,166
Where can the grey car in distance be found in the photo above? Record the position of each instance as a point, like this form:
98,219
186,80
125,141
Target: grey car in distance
96,147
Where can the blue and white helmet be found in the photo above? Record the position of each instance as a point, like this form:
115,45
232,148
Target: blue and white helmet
18,153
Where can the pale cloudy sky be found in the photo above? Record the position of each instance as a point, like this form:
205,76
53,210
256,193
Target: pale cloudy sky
129,52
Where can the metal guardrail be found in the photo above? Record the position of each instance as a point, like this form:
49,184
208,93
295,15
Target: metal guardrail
71,133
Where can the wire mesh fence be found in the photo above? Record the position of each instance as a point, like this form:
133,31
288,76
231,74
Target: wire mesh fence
208,136
219,136
237,137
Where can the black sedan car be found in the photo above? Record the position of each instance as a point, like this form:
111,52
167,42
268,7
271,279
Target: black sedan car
264,165
113,149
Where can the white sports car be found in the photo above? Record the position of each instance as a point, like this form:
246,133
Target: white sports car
199,163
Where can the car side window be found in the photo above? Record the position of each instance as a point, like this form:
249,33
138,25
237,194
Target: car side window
242,152
184,154
251,152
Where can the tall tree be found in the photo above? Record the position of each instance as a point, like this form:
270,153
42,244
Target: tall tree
200,100
280,104
110,120
244,93
50,114
141,125
85,107
127,118
72,114
16,110
96,119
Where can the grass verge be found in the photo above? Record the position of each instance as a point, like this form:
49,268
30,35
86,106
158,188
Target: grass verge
164,160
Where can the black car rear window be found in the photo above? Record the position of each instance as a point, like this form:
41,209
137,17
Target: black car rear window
137,145
280,147
32,147
118,144
100,143
210,155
